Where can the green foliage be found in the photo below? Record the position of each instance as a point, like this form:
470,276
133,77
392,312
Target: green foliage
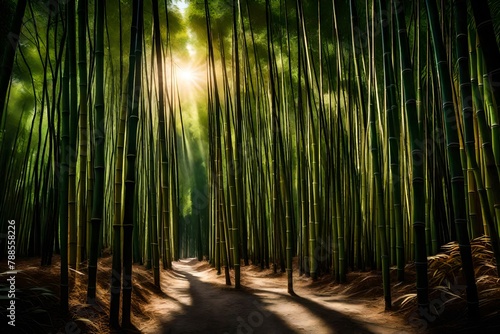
311,143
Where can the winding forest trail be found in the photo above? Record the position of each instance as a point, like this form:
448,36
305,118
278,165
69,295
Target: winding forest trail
196,300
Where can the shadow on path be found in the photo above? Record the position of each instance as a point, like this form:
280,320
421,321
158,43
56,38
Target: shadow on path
216,309
337,321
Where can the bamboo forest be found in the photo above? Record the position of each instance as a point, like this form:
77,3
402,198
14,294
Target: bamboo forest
249,166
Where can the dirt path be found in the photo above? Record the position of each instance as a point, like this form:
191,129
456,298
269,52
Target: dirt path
196,300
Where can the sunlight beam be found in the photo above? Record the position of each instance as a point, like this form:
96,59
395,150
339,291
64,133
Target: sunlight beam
187,75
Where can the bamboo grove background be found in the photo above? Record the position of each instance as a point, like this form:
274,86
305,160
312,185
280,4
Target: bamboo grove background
351,135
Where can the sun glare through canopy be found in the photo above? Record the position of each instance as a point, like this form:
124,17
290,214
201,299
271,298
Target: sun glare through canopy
189,78
186,75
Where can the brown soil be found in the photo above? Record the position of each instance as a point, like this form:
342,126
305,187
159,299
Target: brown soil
204,304
194,299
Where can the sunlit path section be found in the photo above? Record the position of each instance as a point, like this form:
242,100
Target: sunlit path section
203,304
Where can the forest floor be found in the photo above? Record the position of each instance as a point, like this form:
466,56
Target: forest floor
205,304
194,299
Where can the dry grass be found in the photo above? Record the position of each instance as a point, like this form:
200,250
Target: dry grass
446,279
36,303
37,291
